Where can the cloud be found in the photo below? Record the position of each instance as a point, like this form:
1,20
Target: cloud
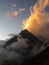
10,14
12,34
38,21
22,9
14,5
14,13
18,48
13,53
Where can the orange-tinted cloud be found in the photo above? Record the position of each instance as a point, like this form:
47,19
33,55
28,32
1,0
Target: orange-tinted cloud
14,13
38,21
22,9
9,14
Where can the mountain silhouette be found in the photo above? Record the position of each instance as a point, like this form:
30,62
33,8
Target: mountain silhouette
24,49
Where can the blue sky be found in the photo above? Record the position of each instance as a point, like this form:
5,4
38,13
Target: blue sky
12,14
11,23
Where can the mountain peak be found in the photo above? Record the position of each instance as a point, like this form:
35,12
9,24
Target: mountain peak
31,37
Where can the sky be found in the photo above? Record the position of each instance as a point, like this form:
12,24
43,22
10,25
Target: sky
12,13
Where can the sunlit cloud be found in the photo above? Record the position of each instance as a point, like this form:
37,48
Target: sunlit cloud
22,9
38,21
15,11
9,14
13,5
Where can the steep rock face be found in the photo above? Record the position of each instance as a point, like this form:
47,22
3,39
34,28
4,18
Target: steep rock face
32,38
40,59
23,49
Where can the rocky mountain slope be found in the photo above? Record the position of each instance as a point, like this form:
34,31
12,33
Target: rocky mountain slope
24,49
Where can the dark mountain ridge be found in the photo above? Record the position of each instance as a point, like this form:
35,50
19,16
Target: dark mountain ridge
27,50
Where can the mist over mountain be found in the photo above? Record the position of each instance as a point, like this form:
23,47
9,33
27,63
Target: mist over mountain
23,49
